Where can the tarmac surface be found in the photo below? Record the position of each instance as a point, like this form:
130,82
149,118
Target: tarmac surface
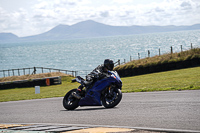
177,111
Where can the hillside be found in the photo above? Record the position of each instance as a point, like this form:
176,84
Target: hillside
91,29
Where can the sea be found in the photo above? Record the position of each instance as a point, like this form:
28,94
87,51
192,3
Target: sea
83,55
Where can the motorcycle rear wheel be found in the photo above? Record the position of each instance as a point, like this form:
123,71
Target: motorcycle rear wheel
110,101
69,101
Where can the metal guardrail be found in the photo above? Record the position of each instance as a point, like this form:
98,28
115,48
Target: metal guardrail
37,70
33,70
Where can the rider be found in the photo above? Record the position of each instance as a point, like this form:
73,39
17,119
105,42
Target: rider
98,73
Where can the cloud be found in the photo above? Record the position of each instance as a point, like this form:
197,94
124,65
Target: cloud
121,1
12,21
45,15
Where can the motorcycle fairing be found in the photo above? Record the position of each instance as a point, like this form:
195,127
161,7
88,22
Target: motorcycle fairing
93,96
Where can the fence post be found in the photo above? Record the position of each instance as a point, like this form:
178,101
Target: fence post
159,51
181,48
118,62
171,50
148,53
138,55
13,72
18,73
73,73
3,73
191,45
24,71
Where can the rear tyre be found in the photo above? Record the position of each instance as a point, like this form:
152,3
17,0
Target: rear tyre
69,101
112,100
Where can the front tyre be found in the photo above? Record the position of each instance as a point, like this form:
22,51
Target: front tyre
112,100
69,101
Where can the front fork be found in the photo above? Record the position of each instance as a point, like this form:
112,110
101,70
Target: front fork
110,90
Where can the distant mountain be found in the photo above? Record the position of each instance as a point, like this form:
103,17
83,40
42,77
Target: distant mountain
8,37
91,29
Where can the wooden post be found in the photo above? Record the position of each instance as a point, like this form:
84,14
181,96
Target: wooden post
191,45
13,72
74,73
159,51
171,50
24,71
18,73
8,73
3,73
181,48
138,55
148,53
119,62
124,61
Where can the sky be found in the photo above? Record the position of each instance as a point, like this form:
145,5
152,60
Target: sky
31,17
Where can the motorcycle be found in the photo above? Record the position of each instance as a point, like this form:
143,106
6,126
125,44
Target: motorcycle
106,92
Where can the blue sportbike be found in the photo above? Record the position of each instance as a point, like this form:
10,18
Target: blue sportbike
104,92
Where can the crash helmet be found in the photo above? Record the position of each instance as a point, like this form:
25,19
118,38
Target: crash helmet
108,64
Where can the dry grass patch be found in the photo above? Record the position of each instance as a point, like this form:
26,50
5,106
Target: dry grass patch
34,76
165,58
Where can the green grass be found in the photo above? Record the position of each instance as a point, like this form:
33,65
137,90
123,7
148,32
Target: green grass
183,79
45,91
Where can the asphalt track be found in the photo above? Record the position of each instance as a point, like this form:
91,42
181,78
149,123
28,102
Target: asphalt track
168,110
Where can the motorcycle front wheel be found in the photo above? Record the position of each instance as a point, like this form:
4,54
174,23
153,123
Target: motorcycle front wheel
112,100
69,101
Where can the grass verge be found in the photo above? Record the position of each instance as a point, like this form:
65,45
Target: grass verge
183,79
45,91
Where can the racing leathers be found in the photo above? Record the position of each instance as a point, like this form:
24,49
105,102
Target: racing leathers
98,73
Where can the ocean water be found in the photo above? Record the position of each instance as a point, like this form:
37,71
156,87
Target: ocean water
86,54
